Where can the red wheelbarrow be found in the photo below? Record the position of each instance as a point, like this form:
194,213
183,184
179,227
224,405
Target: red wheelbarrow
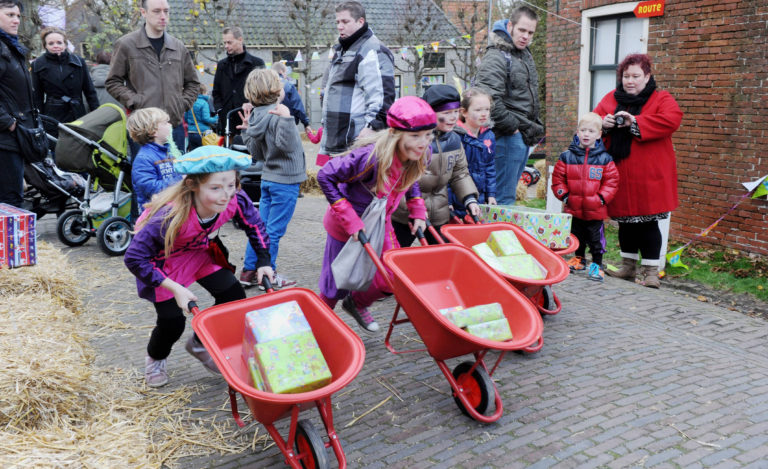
538,291
221,328
427,279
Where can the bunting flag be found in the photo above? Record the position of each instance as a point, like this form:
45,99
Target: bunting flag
673,258
435,45
404,52
298,57
315,56
420,50
755,188
457,82
330,53
452,42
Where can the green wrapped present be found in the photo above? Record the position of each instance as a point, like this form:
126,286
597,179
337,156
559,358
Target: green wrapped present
505,243
486,254
463,317
523,266
292,364
271,323
253,368
551,229
491,330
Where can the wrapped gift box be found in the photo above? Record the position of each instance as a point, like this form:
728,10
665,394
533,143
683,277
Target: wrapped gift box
505,243
551,229
486,254
464,317
491,330
17,237
271,323
253,368
292,364
523,266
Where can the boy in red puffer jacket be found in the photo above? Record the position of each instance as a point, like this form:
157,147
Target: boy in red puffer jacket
586,179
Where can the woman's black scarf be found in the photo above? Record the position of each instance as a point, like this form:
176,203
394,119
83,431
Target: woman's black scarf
57,58
13,41
621,139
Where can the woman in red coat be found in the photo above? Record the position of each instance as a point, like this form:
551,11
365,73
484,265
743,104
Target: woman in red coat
638,121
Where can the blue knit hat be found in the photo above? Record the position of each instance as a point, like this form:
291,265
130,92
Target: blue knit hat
211,159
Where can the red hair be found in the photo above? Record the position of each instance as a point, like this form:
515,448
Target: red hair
641,60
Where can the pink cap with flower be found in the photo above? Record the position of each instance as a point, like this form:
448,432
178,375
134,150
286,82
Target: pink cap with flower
411,114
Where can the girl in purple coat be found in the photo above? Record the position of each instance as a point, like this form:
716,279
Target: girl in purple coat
387,165
171,249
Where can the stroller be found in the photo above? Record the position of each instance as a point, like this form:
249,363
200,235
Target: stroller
51,190
97,144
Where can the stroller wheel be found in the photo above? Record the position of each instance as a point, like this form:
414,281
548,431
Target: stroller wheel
114,236
477,387
310,448
73,228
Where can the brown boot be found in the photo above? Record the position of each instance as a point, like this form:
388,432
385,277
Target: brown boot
650,276
627,271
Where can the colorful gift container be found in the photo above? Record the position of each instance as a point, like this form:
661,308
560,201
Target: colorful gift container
523,266
486,254
551,229
492,330
271,323
17,237
463,317
292,364
253,368
505,243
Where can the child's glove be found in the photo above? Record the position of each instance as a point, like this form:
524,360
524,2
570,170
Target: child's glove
315,137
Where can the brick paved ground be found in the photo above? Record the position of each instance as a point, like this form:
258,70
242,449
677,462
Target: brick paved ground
628,377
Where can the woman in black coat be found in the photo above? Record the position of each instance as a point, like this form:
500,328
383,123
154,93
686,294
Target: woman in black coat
15,102
60,79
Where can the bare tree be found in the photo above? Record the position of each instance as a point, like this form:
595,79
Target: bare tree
417,24
105,21
472,19
309,20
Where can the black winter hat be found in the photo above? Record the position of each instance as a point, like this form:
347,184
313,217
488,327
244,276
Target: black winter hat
442,97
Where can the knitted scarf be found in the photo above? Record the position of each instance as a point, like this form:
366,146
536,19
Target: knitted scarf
621,139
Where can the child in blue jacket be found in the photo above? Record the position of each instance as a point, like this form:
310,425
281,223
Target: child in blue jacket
152,169
199,120
479,142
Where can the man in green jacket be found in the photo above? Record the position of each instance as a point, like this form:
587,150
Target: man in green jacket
508,73
151,68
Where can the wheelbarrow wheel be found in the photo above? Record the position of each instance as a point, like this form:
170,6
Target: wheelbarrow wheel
548,298
477,387
72,228
310,448
114,236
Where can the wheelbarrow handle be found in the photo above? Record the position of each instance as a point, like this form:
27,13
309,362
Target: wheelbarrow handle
475,219
267,284
362,237
192,308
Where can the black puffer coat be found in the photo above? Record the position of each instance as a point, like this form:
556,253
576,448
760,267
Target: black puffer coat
15,93
60,81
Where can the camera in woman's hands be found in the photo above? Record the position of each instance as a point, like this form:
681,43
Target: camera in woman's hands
619,120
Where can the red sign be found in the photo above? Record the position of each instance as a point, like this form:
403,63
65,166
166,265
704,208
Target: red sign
649,8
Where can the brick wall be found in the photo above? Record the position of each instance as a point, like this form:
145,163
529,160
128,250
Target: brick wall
712,55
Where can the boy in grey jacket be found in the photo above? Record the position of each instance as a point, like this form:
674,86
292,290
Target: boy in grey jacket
271,136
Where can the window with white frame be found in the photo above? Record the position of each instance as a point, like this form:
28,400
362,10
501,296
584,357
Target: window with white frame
398,85
612,39
608,34
429,80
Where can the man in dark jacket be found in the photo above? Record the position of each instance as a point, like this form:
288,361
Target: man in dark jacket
508,73
229,80
359,84
151,68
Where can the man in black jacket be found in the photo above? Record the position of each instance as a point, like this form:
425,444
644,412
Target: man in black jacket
231,72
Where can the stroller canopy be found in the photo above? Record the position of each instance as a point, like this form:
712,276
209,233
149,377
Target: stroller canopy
83,142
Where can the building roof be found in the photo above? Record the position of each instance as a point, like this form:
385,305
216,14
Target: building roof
264,21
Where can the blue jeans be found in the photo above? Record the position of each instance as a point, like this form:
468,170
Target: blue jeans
511,157
278,201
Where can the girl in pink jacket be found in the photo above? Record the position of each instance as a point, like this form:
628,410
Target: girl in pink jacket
173,248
